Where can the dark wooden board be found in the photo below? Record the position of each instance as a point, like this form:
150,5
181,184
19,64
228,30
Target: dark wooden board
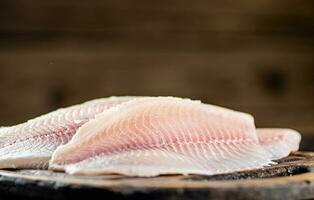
292,178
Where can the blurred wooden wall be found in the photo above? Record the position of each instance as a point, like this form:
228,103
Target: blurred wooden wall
254,56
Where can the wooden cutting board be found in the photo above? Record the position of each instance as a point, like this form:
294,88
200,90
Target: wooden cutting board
292,178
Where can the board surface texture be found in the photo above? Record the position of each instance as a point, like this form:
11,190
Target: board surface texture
292,178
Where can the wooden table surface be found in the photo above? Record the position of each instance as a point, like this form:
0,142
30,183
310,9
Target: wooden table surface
292,178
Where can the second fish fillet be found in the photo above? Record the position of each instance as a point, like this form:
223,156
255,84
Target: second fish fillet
279,142
163,135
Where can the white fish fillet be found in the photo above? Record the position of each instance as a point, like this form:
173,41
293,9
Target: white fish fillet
279,142
165,135
31,144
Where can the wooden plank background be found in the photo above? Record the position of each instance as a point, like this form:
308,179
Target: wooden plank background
254,56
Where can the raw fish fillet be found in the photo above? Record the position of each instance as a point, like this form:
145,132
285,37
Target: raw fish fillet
279,142
31,144
163,135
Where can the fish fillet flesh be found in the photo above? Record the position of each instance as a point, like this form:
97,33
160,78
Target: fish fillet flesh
31,144
165,135
279,142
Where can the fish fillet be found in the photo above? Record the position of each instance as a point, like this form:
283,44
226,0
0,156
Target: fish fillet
279,142
163,135
31,144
